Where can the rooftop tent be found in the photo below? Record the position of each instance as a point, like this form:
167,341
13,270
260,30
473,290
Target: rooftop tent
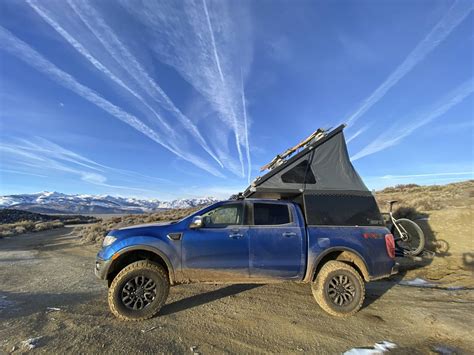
322,167
323,181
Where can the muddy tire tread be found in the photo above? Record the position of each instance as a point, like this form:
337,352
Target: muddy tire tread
137,265
318,287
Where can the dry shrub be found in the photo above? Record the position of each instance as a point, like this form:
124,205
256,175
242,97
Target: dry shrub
94,233
428,198
42,226
408,212
11,229
6,233
20,230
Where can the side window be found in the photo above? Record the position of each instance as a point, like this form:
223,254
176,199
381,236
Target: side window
223,216
269,214
297,174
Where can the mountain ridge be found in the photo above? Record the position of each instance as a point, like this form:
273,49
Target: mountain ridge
56,202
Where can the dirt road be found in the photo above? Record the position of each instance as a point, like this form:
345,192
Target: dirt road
52,269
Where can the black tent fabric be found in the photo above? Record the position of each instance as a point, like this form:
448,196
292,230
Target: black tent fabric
323,167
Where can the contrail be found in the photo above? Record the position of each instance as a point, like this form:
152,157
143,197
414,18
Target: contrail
82,50
213,41
24,52
11,171
128,62
455,15
247,148
393,135
179,34
53,156
39,144
218,64
356,134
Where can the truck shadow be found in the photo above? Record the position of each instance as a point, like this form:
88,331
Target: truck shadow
207,297
19,304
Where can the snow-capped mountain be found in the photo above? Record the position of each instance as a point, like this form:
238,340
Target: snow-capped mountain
55,202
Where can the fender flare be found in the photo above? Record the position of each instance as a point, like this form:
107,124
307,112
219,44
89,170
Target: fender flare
140,247
346,252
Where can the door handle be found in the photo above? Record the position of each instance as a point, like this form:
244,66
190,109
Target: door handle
236,235
289,234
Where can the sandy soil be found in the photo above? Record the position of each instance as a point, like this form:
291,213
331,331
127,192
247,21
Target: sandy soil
52,269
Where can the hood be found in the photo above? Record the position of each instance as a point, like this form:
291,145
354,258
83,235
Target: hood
153,224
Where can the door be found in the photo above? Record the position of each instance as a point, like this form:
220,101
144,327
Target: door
219,250
276,242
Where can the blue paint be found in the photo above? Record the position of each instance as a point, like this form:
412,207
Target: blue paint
248,252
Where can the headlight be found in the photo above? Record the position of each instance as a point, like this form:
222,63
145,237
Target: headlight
109,239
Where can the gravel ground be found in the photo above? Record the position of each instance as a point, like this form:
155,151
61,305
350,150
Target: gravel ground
50,301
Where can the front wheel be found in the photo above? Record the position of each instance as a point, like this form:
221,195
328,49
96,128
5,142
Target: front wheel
138,291
339,289
411,238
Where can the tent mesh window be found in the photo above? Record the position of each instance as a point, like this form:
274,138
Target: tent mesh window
300,174
342,210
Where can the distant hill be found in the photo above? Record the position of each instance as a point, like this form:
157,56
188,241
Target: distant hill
55,202
428,198
8,216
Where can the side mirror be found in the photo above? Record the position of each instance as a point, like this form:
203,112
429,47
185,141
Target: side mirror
196,222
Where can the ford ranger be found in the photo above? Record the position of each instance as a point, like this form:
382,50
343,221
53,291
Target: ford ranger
249,241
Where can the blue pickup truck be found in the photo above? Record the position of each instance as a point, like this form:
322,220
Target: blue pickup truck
309,219
243,241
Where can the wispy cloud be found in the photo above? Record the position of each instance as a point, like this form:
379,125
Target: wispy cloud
83,51
247,145
223,82
356,134
213,41
12,171
203,43
24,52
114,46
395,134
37,156
453,17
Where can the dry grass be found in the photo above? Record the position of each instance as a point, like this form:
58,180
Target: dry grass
96,232
11,229
428,198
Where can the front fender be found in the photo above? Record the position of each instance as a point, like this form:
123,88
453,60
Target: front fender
166,249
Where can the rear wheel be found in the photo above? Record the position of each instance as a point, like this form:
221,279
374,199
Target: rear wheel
339,289
138,291
412,239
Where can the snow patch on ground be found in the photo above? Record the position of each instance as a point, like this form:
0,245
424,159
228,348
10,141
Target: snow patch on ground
378,348
30,343
418,282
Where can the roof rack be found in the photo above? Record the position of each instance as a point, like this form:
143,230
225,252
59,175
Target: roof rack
281,158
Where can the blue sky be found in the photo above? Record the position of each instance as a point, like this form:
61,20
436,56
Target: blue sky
175,99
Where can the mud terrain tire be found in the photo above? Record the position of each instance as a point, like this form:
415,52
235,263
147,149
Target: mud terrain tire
143,280
339,289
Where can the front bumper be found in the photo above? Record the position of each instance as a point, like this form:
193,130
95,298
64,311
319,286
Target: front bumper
102,267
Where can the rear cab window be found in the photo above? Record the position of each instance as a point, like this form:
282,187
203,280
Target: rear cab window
271,214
